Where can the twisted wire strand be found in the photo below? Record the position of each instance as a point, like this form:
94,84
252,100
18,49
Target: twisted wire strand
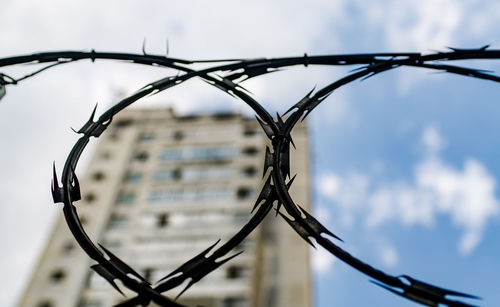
228,78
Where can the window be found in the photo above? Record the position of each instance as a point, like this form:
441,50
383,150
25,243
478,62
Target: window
148,273
89,303
132,177
113,136
146,137
194,173
250,132
141,156
83,220
242,217
98,176
249,171
113,246
197,154
117,221
177,174
89,198
166,195
123,123
244,192
212,153
209,172
163,175
57,276
162,220
171,154
190,194
125,198
224,116
213,193
250,151
68,248
105,155
236,302
45,303
234,272
178,135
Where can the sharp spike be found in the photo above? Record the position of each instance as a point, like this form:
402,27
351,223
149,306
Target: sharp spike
298,229
301,102
289,184
267,193
184,290
436,290
280,120
102,271
191,262
316,225
75,186
57,192
268,161
122,265
267,129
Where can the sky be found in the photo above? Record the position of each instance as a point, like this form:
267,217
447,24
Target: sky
404,165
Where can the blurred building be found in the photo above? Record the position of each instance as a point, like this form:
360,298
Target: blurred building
161,188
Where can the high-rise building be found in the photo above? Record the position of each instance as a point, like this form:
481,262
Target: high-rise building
160,189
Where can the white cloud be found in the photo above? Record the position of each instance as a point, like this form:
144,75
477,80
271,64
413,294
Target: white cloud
427,25
466,196
322,261
389,255
432,140
349,192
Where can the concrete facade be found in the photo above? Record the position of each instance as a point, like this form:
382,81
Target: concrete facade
161,188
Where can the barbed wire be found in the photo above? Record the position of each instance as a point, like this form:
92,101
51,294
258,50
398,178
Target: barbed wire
228,77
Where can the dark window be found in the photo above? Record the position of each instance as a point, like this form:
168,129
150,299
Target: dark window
83,220
162,220
98,176
57,276
250,132
123,123
224,116
235,302
89,197
249,171
141,156
243,192
176,174
187,118
68,248
250,151
178,135
45,304
148,273
113,136
234,272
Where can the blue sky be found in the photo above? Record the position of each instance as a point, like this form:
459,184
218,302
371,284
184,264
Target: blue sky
405,164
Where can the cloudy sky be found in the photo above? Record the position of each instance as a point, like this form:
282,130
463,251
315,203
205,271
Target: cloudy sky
405,164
